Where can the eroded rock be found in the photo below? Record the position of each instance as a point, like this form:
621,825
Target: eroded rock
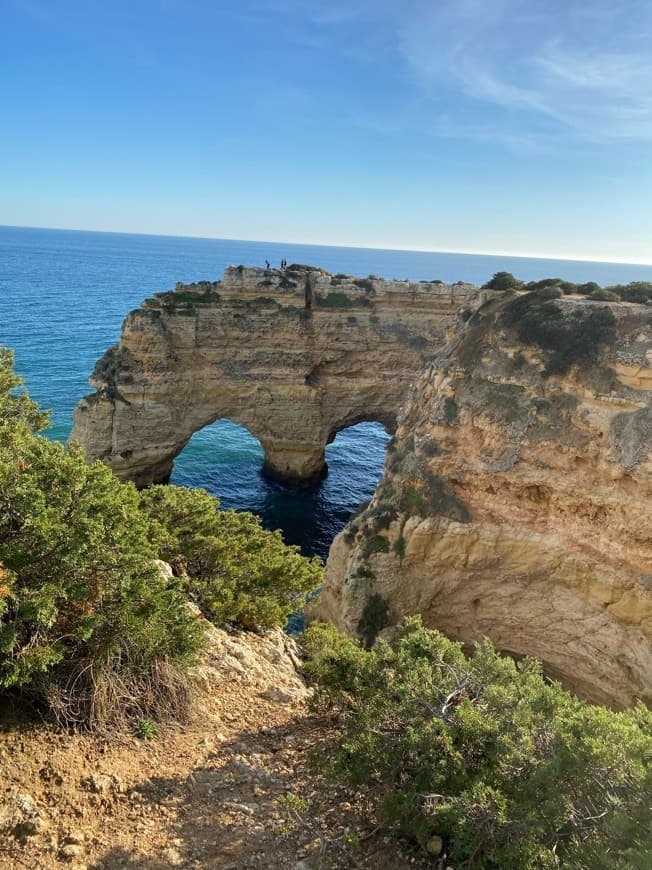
293,356
517,498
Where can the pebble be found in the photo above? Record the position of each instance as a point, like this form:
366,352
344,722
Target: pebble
70,852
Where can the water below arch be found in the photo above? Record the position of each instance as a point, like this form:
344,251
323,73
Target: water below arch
227,460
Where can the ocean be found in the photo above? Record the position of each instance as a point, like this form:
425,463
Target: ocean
64,295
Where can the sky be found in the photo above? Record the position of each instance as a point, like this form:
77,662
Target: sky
493,126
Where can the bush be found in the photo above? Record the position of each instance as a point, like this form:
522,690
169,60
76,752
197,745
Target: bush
235,571
335,300
566,337
588,288
503,281
375,544
603,295
374,618
509,770
87,623
637,291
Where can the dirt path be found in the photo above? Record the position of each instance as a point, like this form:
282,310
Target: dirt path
211,794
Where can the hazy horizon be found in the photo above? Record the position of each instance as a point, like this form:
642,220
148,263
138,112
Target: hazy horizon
312,243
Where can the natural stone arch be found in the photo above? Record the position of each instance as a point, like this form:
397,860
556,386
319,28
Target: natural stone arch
251,350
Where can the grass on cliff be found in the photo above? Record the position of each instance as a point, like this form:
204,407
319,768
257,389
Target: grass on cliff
508,770
90,629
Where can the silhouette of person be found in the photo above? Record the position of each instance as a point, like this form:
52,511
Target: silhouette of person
268,264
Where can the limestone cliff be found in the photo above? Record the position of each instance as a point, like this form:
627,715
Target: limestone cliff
517,496
294,356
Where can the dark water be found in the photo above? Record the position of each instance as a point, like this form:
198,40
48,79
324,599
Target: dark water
64,294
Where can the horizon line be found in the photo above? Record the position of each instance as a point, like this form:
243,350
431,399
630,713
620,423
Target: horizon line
354,246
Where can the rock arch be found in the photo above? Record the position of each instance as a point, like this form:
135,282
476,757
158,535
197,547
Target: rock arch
293,356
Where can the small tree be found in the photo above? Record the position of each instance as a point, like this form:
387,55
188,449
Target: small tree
86,621
503,281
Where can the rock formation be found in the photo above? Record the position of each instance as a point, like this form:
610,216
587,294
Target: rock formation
294,356
517,496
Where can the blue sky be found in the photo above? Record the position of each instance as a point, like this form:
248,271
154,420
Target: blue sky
515,126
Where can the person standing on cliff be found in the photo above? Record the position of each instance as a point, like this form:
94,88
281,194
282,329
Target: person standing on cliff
268,265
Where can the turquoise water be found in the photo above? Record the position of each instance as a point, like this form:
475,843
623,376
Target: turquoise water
64,294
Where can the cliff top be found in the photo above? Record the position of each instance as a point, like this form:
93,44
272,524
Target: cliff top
328,290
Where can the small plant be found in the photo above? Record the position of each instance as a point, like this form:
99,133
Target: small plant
382,515
412,502
145,729
604,295
294,802
350,532
399,547
375,544
450,409
375,617
335,300
364,572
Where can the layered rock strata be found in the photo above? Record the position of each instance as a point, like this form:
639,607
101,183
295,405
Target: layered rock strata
294,356
517,497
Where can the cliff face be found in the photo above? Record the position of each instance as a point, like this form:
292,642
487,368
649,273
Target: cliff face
517,497
293,356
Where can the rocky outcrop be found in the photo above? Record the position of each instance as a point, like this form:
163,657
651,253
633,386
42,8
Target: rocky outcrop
294,356
517,497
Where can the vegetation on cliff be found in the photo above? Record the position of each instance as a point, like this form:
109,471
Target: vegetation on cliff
89,625
566,339
481,759
635,291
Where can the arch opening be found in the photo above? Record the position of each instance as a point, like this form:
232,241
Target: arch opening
223,457
226,459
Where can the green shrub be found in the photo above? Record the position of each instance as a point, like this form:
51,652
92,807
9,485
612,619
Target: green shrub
375,544
450,409
233,569
502,281
412,502
335,300
399,547
87,624
637,291
374,618
145,728
512,772
604,295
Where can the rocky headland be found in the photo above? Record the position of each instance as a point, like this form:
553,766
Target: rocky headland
294,356
517,496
